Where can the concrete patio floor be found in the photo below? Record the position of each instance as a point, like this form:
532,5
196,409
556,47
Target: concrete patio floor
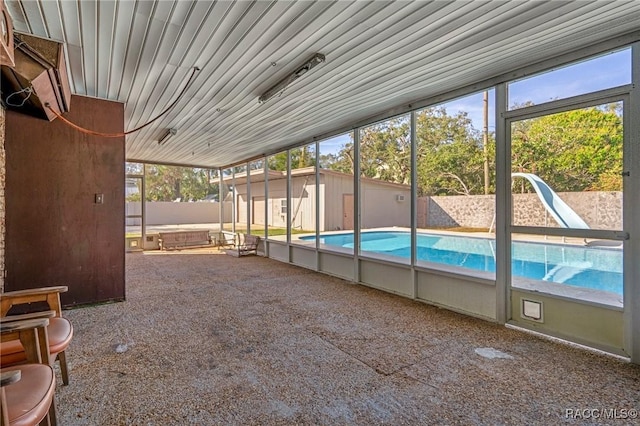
206,339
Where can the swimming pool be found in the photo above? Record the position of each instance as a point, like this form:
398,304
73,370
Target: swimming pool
598,268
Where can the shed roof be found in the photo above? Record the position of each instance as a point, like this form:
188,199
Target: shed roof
257,176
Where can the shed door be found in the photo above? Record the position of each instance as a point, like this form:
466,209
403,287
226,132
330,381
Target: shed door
347,211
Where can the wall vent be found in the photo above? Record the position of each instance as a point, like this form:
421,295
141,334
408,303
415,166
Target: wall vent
531,310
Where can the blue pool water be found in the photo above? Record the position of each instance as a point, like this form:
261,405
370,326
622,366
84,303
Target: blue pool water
591,267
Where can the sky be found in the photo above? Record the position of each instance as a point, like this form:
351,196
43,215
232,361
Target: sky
610,70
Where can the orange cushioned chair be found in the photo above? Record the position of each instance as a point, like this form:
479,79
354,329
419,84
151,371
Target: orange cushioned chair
27,392
60,330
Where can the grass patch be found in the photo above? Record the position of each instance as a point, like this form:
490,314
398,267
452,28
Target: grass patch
254,230
465,229
273,232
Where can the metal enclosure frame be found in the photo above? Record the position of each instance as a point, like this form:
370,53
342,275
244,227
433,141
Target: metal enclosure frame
476,295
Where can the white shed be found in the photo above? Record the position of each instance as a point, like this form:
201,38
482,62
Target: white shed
383,203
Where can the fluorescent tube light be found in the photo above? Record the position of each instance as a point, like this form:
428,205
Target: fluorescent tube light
167,135
277,90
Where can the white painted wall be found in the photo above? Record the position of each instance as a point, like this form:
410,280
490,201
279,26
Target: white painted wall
334,188
169,213
379,206
302,192
277,193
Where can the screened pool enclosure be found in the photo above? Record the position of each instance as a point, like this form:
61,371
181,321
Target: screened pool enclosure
430,203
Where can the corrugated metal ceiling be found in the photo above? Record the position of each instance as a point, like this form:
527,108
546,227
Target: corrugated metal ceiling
379,55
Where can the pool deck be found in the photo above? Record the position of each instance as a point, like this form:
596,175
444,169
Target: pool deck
210,339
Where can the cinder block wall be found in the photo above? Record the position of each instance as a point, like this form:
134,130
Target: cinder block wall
600,210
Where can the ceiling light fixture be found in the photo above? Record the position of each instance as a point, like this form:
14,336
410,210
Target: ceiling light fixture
277,90
167,135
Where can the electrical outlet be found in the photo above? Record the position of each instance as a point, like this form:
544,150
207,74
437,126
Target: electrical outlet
99,199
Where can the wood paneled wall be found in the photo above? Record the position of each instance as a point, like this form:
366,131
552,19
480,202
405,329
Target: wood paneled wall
56,232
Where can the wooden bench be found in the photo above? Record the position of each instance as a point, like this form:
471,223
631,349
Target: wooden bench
225,239
248,244
179,239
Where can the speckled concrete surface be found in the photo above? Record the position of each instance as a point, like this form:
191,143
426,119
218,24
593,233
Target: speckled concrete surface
206,338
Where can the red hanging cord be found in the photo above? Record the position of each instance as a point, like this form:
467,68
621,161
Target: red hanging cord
121,134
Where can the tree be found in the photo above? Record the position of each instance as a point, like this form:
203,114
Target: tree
450,154
133,168
385,151
300,157
326,161
343,161
170,183
578,150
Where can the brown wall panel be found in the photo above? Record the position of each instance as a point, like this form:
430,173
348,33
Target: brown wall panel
56,233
